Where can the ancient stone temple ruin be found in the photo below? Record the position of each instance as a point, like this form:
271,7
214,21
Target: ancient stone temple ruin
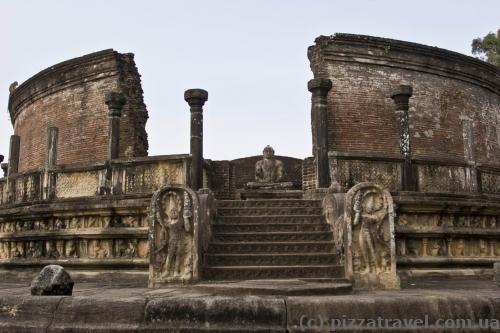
403,177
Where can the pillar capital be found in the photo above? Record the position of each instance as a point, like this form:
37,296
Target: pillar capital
401,96
115,102
196,97
319,86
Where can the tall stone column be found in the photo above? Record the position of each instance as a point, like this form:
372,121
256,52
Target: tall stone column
196,98
401,99
115,102
15,141
319,89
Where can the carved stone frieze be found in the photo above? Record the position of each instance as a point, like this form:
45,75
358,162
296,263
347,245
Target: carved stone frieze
73,222
76,248
370,243
457,235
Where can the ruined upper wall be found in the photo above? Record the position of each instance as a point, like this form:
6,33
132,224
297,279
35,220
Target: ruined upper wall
70,96
453,96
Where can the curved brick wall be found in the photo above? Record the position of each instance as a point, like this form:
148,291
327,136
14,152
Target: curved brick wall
70,96
453,95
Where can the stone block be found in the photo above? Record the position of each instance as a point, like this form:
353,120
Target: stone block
217,313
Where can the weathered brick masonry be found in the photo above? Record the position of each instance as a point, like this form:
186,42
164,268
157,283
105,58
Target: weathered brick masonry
451,93
70,96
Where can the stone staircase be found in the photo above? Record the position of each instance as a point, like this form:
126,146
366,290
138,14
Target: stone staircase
271,239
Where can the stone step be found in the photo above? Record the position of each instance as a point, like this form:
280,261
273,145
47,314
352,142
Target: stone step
271,194
271,227
272,272
270,247
273,236
267,211
268,203
274,259
270,219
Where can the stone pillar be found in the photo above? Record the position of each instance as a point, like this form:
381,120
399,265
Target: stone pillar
196,98
15,141
319,89
401,99
115,102
51,152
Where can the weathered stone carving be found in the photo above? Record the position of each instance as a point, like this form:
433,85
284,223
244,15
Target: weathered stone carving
173,226
51,249
34,250
269,172
370,245
126,248
71,249
4,250
333,212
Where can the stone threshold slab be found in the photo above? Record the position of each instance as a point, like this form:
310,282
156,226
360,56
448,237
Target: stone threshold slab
128,307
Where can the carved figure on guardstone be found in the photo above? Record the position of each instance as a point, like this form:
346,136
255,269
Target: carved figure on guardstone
172,219
369,217
176,228
370,248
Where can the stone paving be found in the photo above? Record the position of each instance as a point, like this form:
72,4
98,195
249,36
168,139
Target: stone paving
129,306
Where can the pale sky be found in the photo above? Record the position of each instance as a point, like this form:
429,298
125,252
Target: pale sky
249,55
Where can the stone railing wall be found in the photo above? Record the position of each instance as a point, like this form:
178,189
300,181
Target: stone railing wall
83,217
140,175
431,176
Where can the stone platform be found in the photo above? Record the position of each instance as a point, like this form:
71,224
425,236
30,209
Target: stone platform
122,305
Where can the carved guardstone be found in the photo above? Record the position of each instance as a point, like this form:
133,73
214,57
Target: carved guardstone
173,228
370,249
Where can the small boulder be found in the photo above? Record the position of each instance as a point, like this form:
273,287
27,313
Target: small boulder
52,280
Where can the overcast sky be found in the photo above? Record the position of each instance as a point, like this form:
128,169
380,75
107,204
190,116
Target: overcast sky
249,55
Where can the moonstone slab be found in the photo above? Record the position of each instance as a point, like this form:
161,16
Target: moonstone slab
52,280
